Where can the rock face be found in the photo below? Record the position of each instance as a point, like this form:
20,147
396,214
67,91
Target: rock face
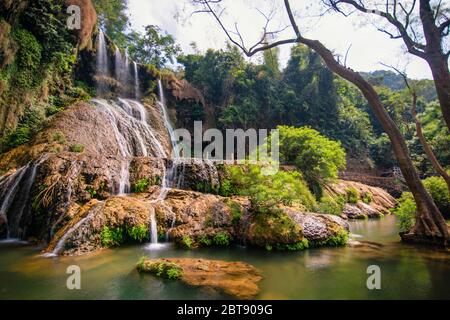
380,204
88,21
237,279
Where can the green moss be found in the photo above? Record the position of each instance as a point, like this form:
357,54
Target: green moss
141,185
298,246
275,228
236,210
221,239
111,237
59,137
367,198
161,269
139,233
352,195
338,240
78,148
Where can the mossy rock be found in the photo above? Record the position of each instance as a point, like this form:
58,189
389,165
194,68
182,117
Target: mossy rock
161,268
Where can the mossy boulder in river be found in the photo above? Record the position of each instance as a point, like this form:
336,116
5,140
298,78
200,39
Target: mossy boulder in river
237,279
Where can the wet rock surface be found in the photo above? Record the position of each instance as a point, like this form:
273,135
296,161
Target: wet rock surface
237,279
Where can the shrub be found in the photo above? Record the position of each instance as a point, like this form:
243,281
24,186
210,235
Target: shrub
367,198
141,185
352,195
267,192
139,233
329,205
405,211
227,188
205,241
221,239
438,189
78,148
186,242
111,237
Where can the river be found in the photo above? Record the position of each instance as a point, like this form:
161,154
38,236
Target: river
407,272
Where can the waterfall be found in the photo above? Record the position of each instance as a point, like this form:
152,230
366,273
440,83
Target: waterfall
133,134
61,243
137,93
102,62
122,69
153,227
9,187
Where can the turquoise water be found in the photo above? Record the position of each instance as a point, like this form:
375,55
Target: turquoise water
407,272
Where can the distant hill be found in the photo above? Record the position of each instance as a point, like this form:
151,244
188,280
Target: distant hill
395,82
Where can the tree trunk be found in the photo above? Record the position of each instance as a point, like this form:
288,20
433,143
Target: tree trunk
426,147
430,225
436,58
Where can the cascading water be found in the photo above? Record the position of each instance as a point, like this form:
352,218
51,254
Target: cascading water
15,191
137,90
102,62
170,172
122,69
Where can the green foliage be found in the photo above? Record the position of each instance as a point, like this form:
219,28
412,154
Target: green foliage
227,188
154,47
28,59
274,229
78,148
267,192
205,241
114,19
438,189
59,137
329,205
367,198
221,239
186,242
405,211
338,240
29,124
92,192
352,195
161,268
139,233
318,158
111,237
141,185
298,246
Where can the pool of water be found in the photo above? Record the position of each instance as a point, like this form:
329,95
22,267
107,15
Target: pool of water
407,272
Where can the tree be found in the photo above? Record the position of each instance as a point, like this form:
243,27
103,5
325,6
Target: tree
426,147
430,225
113,19
424,27
154,47
318,158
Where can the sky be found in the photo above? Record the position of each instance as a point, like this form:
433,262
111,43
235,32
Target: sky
368,49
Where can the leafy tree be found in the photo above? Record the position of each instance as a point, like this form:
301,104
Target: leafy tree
113,18
318,158
154,47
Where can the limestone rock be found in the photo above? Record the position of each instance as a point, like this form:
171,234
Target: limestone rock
237,279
